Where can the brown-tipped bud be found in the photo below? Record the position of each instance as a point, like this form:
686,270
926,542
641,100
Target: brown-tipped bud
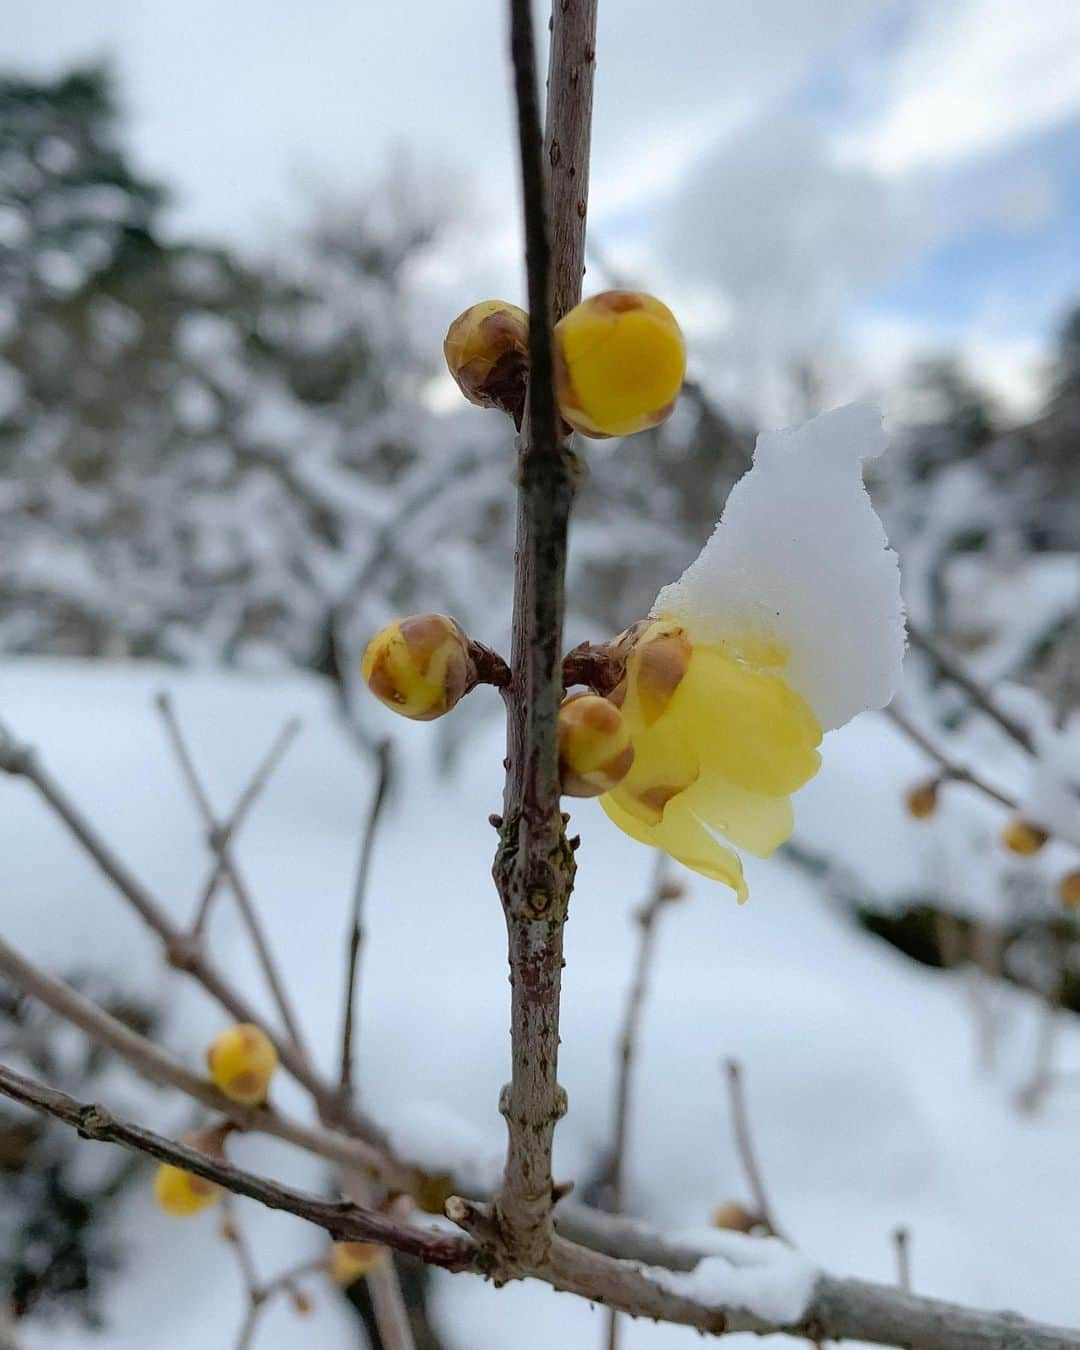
922,800
350,1260
242,1061
420,667
1069,890
595,752
658,664
228,1229
737,1218
487,353
301,1302
1023,837
619,364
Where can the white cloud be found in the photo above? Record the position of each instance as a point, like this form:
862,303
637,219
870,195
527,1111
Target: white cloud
974,76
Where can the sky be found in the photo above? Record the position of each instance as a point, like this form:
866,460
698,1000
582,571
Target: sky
843,182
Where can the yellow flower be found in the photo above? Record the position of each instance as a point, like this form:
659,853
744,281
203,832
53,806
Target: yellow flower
619,363
720,742
787,625
242,1061
350,1260
183,1194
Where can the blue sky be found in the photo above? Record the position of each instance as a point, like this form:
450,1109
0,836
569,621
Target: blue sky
859,179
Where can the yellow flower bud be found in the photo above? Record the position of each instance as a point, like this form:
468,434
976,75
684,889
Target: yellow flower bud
619,364
1023,837
350,1260
595,751
301,1302
242,1061
432,1191
487,353
181,1193
735,1217
922,800
420,667
1069,890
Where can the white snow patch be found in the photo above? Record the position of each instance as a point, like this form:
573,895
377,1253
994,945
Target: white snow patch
763,1276
801,556
434,1137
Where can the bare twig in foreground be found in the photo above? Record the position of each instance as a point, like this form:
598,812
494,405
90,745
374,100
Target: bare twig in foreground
838,1308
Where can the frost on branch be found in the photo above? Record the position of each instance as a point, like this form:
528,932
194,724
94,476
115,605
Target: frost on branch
762,1276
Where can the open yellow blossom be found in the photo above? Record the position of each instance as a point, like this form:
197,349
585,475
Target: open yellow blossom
787,625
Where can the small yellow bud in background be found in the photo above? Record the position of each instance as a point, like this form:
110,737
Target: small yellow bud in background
301,1302
737,1218
619,364
594,746
922,801
242,1061
1023,837
487,353
1069,890
183,1194
432,1191
350,1260
420,667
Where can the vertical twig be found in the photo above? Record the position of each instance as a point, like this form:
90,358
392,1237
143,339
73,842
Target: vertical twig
744,1143
902,1242
534,866
219,843
628,1041
384,768
387,1300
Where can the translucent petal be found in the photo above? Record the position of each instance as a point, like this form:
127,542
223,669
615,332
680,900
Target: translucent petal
682,835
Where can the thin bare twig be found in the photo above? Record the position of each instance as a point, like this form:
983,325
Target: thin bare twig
902,1242
955,773
218,840
259,780
384,772
534,866
146,1058
384,1284
976,694
660,894
343,1220
744,1144
181,950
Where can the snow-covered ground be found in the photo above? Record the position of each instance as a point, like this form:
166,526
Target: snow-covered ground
868,1109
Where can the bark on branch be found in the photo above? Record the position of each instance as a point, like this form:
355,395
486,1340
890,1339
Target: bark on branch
838,1308
534,866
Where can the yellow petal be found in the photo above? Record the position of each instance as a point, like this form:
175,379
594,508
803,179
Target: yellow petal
750,726
681,834
751,820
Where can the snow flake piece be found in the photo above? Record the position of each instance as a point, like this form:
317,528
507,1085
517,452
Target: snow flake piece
800,559
759,1275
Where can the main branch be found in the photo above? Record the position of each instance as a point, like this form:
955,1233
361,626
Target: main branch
534,866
